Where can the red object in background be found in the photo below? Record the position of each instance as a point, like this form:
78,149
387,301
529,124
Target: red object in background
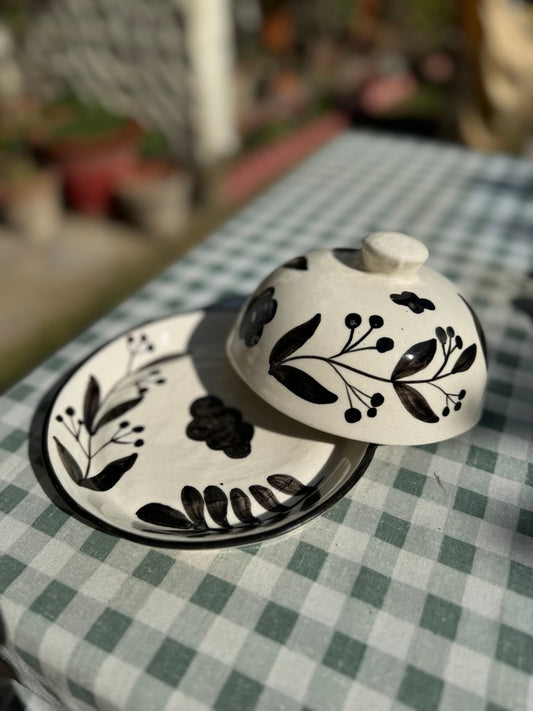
288,92
90,181
254,171
278,32
437,67
92,168
384,93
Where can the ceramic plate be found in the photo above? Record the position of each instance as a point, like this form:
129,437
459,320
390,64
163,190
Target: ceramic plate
155,438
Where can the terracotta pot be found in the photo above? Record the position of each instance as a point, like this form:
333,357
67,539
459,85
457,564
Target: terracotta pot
278,31
33,207
92,166
156,196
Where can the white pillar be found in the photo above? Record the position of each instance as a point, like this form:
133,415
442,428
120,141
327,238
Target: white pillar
211,54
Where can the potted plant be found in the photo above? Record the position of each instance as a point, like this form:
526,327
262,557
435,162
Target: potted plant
19,115
30,194
156,193
93,148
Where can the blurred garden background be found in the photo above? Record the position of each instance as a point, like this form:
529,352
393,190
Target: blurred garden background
129,130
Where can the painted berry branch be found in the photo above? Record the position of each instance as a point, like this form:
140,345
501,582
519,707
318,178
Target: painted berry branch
98,411
417,358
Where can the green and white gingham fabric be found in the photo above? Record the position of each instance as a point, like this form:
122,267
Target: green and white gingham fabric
413,592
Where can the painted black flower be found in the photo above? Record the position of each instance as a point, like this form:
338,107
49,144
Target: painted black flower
220,427
261,310
414,302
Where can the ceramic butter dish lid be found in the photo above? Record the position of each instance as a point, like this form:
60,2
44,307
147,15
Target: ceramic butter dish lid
365,344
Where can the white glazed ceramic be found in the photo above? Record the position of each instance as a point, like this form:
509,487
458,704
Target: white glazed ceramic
365,344
155,438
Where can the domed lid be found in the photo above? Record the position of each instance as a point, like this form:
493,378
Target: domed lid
365,344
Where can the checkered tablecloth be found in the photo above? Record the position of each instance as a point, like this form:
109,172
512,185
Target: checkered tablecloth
413,592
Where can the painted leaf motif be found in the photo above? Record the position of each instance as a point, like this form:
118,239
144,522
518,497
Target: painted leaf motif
217,505
479,330
465,360
116,411
415,403
193,503
297,263
110,474
413,302
266,498
416,358
163,515
302,384
242,506
287,484
294,339
91,403
70,464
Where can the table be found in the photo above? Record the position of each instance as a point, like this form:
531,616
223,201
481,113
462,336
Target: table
415,591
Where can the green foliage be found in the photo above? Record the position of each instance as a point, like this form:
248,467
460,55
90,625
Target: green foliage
17,165
154,145
18,14
86,120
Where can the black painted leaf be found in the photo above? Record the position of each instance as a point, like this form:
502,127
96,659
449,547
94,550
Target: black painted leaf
91,403
294,339
302,384
465,360
193,503
110,474
413,302
163,515
416,358
287,484
479,330
217,505
415,403
266,498
296,263
116,411
70,464
242,506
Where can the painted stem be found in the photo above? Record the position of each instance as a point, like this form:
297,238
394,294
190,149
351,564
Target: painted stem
446,359
349,346
332,362
116,387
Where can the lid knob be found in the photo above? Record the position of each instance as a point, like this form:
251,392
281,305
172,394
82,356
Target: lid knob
393,253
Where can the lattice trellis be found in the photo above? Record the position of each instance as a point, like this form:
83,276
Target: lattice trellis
129,55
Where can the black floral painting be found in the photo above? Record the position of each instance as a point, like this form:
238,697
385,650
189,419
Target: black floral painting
107,414
260,311
413,302
404,379
213,500
220,427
